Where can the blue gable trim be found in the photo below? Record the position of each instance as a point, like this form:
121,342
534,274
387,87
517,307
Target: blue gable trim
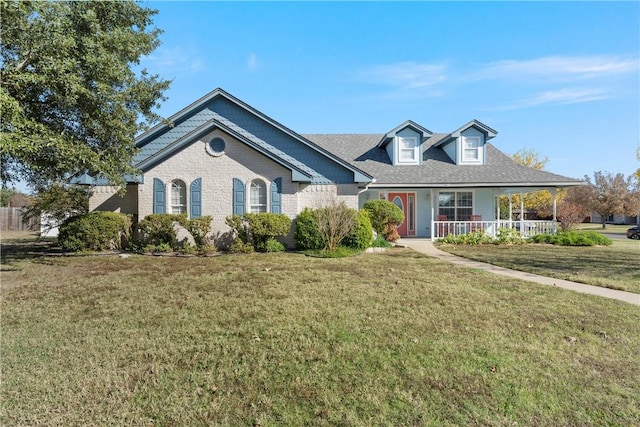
86,179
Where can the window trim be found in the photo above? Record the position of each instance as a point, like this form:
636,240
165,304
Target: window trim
455,206
415,158
478,149
250,205
182,206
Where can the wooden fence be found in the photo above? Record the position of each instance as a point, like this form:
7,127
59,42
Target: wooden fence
12,221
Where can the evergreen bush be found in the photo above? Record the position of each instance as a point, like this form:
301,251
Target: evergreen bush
307,232
361,234
95,231
384,216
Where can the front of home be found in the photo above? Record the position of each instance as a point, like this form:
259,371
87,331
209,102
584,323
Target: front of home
219,156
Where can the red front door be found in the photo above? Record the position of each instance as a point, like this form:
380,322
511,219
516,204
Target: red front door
407,203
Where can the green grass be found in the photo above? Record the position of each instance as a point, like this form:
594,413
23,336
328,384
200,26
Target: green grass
283,339
615,267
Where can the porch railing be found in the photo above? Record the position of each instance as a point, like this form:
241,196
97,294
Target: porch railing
526,228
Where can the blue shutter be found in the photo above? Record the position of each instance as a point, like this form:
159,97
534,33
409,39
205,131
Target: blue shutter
276,196
238,197
196,198
159,200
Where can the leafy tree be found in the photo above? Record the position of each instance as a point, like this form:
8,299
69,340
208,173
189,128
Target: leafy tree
541,202
611,195
59,202
5,195
572,209
71,100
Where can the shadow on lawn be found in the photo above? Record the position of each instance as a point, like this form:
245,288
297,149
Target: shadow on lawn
22,249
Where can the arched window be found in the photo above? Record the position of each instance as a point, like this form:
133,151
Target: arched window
258,196
178,197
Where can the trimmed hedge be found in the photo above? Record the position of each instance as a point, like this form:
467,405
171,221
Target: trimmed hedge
572,238
95,231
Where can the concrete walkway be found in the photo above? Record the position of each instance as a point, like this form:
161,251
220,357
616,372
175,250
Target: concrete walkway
426,246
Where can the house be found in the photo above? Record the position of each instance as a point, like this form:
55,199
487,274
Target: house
219,156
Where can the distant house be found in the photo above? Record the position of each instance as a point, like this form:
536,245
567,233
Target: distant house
221,156
615,219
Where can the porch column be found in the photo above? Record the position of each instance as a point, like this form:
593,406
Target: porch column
497,212
510,209
433,215
521,213
555,209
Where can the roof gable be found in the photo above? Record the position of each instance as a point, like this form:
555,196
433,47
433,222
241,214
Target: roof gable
219,109
489,133
424,132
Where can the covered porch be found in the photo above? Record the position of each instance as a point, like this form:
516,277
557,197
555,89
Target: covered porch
443,225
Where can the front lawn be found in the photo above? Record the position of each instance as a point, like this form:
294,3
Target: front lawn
615,267
282,339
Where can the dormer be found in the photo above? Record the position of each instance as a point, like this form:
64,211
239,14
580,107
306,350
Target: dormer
403,143
467,145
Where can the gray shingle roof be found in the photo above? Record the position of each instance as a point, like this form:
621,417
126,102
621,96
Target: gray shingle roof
437,169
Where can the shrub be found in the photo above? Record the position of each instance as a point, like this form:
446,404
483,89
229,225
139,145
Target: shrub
257,229
381,242
334,222
157,229
572,238
199,228
307,233
361,234
508,236
94,231
240,247
272,245
384,217
473,238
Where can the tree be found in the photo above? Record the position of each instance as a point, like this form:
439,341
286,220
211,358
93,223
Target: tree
574,208
71,100
58,202
611,195
541,201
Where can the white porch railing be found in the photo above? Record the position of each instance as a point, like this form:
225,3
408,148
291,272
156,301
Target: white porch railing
526,228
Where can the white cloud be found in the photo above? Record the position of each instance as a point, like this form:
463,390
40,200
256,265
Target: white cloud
404,75
560,96
558,68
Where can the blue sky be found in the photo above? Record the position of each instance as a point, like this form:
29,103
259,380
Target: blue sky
560,78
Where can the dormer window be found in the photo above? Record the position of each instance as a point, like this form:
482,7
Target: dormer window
471,146
407,149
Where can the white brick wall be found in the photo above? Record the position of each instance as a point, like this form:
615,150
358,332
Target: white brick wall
217,173
106,198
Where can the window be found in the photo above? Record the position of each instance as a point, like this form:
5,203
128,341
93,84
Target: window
471,149
407,149
257,196
178,197
216,146
456,205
